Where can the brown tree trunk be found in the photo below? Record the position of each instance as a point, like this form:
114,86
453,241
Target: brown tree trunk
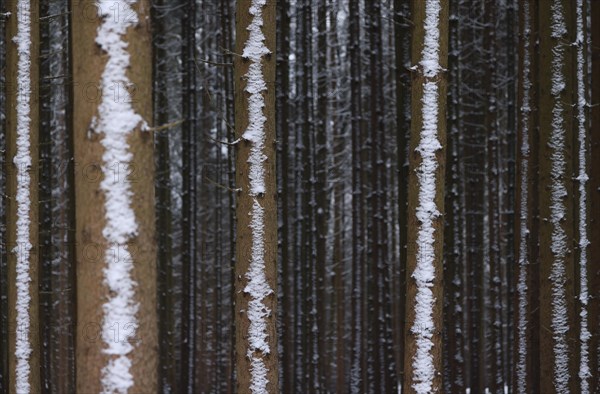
97,248
256,246
424,298
22,121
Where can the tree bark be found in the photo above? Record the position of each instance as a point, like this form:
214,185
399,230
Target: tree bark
189,222
22,124
402,57
256,255
94,251
427,156
594,233
557,295
164,225
526,319
283,128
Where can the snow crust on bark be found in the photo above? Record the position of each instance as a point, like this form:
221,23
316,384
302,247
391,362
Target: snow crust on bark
258,287
22,162
427,211
116,121
558,192
584,334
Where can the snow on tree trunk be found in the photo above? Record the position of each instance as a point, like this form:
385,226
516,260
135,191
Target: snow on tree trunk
426,198
23,163
523,243
559,239
257,223
115,207
581,64
258,287
117,120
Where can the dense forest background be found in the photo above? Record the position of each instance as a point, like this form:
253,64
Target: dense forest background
521,193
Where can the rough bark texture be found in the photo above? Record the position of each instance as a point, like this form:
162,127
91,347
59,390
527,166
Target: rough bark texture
418,83
549,46
245,200
528,119
283,130
403,81
594,196
164,225
88,65
13,249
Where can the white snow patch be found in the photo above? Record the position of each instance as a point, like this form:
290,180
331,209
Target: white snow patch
431,45
254,50
424,370
584,334
558,191
22,161
258,287
117,120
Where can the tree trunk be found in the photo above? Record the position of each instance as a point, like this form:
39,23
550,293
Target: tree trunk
116,278
256,262
526,324
357,370
283,128
402,40
189,232
581,168
454,296
594,234
22,122
558,336
424,298
166,329
321,191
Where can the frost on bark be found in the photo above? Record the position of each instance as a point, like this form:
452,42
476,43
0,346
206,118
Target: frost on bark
116,278
558,332
22,212
582,124
256,266
423,356
526,229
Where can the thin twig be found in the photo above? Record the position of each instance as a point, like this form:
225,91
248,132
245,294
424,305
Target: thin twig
54,15
166,126
228,52
214,63
224,142
222,186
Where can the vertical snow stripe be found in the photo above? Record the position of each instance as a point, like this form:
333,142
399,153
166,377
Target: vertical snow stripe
117,120
258,288
427,210
558,191
584,334
523,259
22,161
